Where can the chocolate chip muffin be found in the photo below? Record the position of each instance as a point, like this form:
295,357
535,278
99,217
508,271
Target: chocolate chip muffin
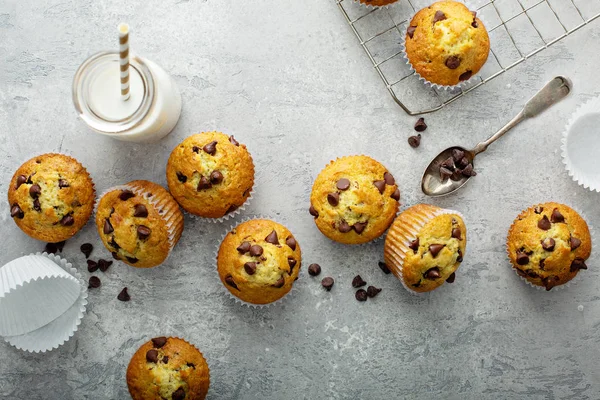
377,3
51,197
446,43
258,261
210,174
425,246
139,223
548,244
168,368
354,200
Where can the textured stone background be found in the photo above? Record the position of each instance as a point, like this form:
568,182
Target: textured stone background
290,81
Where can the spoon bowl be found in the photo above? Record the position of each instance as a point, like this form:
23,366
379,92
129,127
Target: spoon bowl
433,184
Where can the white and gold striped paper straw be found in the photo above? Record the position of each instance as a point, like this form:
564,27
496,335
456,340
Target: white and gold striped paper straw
124,60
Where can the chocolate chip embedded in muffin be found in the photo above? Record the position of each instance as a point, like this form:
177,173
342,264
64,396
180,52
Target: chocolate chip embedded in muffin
465,75
140,211
432,273
439,16
159,342
143,232
410,31
435,249
211,148
380,185
312,211
244,247
291,243
229,280
216,177
181,177
16,212
126,195
152,356
256,250
272,238
544,223
343,184
557,217
453,62
250,268
359,227
344,227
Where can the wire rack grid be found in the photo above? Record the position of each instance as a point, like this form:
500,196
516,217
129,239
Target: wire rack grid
518,29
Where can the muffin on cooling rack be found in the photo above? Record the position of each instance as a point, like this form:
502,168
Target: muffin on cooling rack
548,244
51,197
354,200
446,43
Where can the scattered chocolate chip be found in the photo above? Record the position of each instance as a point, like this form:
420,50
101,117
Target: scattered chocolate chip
272,238
126,195
327,283
359,227
279,284
343,184
216,177
411,31
103,265
414,141
578,264
314,269
244,247
445,173
35,191
420,125
451,278
179,394
544,223
396,195
312,211
143,232
233,141
229,280
469,171
181,177
389,179
108,228
132,260
124,296
62,183
358,282
435,249
414,245
94,282
372,291
152,356
211,148
465,75
291,243
250,268
159,342
556,216
344,227
21,179
256,250
165,359
452,62
67,220
204,183
36,205
432,273
51,248
522,258
548,244
380,185
457,154
92,266
384,268
456,233
86,249
361,295
196,149
439,16
333,199
140,211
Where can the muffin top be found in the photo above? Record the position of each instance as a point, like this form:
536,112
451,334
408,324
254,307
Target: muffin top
168,368
51,197
446,43
354,200
548,244
210,174
139,223
434,251
259,261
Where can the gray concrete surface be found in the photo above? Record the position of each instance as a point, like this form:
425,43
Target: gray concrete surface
290,81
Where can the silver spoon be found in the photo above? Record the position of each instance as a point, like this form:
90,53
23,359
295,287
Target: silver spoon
434,185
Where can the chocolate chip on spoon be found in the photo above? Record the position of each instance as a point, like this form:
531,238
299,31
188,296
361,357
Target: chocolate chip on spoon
420,125
457,154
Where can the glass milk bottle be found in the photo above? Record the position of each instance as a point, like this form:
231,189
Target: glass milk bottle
151,111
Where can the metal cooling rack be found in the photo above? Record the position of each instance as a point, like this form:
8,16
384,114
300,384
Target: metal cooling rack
518,30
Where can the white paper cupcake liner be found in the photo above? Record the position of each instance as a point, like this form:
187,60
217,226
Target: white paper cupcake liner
61,329
230,216
580,147
569,283
172,229
374,7
226,291
447,88
409,234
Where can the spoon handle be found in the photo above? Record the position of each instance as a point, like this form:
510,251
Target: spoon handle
554,91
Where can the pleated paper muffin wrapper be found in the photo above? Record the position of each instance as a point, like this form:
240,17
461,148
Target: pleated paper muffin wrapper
166,203
229,216
581,145
577,277
289,294
62,328
407,234
374,7
428,84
